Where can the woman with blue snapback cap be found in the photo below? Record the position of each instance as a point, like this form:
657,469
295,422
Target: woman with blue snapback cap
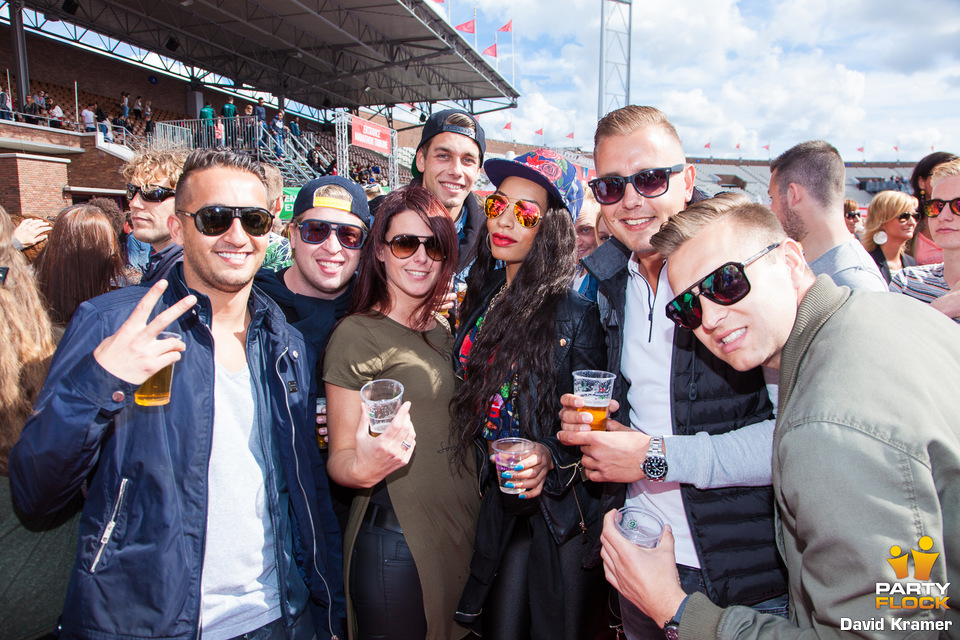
523,332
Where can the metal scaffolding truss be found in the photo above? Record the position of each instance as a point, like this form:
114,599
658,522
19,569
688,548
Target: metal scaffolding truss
615,37
321,53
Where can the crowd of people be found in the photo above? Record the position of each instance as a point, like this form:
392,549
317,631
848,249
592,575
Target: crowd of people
777,400
40,108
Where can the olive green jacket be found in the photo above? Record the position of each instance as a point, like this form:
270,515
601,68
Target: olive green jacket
866,458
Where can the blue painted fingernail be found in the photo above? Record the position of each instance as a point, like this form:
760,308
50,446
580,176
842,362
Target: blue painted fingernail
522,496
508,485
519,467
506,474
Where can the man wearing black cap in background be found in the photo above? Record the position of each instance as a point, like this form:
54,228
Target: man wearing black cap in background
448,161
329,225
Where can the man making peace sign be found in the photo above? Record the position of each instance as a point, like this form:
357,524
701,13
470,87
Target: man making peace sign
211,514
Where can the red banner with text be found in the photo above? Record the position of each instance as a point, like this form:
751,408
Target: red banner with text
371,136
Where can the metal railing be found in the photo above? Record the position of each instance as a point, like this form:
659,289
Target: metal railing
241,133
238,133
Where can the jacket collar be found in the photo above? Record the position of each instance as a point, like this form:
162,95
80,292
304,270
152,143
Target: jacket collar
817,307
607,260
261,307
612,257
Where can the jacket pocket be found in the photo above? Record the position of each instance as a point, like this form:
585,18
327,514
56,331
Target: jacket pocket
111,525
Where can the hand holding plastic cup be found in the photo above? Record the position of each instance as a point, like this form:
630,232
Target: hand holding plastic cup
507,454
640,526
382,400
155,391
596,389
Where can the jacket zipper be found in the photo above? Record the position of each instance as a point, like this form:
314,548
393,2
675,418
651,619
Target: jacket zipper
306,502
111,524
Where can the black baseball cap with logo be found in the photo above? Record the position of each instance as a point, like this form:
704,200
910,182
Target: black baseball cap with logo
437,124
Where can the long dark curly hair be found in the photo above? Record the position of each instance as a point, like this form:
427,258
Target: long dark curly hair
518,332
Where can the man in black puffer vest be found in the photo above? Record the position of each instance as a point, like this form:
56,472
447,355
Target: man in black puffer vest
669,385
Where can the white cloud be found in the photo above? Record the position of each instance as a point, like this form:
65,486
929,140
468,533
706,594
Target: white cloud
879,72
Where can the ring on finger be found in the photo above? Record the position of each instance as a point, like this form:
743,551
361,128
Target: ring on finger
405,444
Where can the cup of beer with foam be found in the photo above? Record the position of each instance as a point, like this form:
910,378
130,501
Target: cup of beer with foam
596,389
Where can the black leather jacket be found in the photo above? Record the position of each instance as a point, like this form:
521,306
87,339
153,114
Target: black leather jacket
569,506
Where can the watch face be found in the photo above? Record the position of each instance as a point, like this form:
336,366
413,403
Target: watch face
655,468
671,631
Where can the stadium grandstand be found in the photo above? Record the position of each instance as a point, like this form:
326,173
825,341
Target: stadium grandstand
390,62
367,59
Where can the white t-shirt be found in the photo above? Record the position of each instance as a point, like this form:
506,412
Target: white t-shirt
239,584
645,364
89,119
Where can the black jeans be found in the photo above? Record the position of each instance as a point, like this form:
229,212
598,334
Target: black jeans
385,585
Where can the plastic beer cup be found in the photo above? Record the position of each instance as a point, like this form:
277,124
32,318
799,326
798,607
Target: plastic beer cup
596,389
155,391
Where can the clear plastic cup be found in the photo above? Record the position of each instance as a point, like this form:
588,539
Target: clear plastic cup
640,526
381,399
507,454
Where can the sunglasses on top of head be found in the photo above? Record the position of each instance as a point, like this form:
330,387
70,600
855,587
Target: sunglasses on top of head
906,215
649,183
350,236
404,246
215,220
726,285
528,213
933,208
149,194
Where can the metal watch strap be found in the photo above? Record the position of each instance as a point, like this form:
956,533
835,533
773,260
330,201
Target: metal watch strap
655,464
656,447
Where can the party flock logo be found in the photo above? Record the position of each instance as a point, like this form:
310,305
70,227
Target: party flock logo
908,594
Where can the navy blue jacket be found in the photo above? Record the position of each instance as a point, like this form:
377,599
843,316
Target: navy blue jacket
142,533
160,263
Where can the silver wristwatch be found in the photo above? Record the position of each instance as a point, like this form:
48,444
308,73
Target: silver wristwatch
655,464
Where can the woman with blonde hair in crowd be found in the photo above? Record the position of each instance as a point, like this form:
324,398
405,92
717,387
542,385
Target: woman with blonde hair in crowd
36,556
891,220
82,260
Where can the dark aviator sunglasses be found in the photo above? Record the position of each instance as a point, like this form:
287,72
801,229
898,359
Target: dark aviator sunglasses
404,245
215,220
149,194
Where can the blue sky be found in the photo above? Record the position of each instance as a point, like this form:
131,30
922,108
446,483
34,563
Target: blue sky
870,73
